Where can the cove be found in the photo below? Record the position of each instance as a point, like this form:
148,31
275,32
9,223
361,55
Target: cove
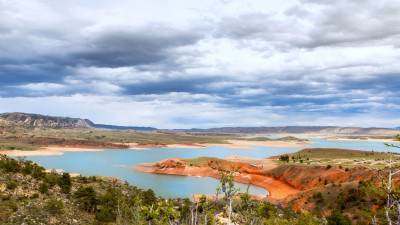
169,186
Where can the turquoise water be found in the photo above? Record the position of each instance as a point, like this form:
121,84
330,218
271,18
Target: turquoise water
106,163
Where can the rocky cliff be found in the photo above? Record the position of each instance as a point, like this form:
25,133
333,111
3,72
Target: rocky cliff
46,121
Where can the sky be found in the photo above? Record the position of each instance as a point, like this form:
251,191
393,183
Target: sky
202,64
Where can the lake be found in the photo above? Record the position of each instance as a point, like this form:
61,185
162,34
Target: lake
169,186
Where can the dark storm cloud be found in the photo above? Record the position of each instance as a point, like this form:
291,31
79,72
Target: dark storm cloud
188,85
20,74
119,48
31,60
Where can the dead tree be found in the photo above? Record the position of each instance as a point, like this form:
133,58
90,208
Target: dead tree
392,194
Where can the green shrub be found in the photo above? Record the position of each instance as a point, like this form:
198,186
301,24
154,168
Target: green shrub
87,198
36,195
43,188
328,167
11,185
12,166
338,218
55,206
65,183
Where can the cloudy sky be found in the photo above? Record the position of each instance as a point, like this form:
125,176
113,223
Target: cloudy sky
208,63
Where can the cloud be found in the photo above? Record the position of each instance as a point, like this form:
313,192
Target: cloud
313,24
128,111
131,47
202,64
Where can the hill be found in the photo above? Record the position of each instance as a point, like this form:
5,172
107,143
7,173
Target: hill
37,120
321,130
114,127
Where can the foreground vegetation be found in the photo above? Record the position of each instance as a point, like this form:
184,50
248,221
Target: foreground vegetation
30,195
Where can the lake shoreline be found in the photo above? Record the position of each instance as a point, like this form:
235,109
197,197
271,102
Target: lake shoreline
232,144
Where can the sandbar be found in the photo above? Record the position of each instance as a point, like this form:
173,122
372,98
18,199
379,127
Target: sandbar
144,146
48,151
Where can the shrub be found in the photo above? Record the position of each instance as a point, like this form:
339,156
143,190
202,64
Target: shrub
38,172
27,169
149,197
43,188
337,217
267,209
65,183
12,166
12,185
4,197
87,198
108,204
55,206
284,158
36,195
51,180
328,167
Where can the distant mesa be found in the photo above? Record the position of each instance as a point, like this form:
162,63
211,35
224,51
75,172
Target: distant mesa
124,127
37,120
321,130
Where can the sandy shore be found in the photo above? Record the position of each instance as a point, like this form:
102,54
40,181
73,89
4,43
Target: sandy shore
145,146
235,144
187,146
48,151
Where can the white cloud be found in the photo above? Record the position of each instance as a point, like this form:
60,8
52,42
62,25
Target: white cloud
162,113
206,63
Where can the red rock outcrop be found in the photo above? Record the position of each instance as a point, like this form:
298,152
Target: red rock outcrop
280,182
245,173
307,177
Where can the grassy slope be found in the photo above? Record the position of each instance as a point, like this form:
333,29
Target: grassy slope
202,160
343,157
